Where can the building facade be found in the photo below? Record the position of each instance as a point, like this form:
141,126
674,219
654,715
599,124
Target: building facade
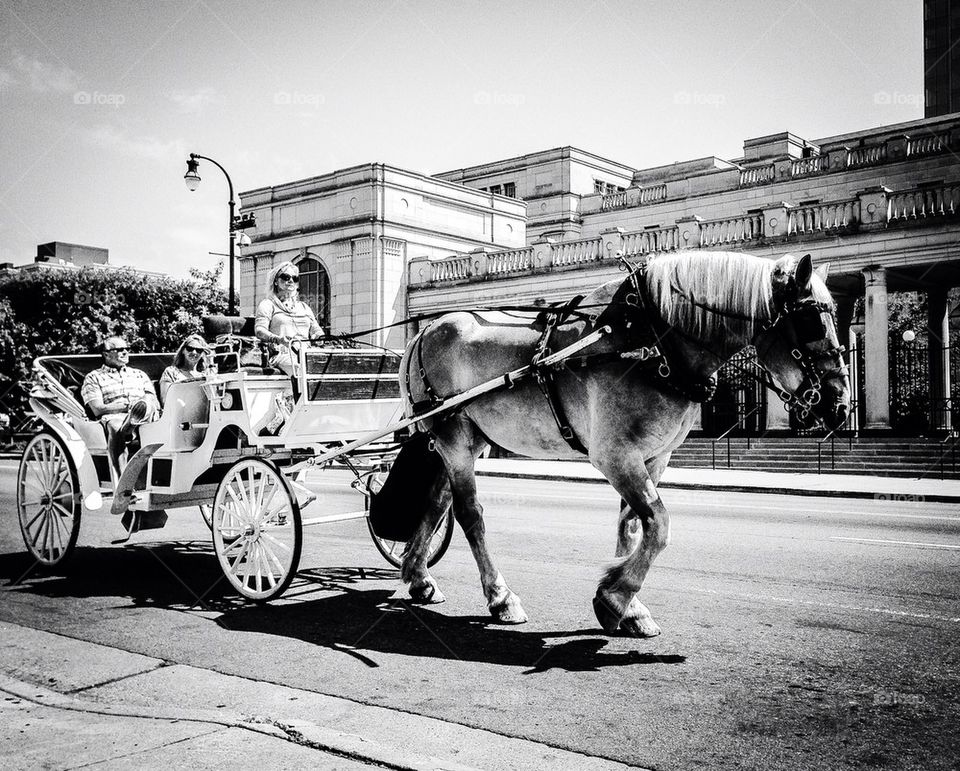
880,206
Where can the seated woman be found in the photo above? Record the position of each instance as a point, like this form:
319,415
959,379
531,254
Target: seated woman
283,317
188,364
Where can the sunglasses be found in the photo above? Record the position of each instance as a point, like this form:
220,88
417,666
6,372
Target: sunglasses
288,277
117,350
192,349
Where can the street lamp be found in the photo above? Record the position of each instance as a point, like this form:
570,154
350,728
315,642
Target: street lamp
192,181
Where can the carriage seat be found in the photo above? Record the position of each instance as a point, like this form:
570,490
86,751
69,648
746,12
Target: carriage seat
253,358
71,370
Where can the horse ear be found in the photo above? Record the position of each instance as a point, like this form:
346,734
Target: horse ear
804,273
823,271
782,281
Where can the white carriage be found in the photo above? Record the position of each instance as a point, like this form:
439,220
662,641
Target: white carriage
207,449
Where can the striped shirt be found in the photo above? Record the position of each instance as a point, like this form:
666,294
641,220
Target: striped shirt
109,384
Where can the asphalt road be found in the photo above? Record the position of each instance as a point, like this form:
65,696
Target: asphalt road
797,632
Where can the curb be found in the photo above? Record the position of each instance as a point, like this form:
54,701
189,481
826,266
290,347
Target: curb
300,732
734,488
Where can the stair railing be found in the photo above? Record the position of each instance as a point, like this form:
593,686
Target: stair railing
952,438
726,435
832,437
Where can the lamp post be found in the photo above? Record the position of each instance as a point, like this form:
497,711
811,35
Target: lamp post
192,180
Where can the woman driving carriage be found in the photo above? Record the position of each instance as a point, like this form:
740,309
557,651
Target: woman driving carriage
283,317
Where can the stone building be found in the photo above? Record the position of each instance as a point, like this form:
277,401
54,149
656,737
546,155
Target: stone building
879,205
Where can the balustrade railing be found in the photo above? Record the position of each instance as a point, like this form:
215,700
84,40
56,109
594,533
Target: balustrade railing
654,240
577,252
866,156
819,217
803,167
823,219
758,176
653,194
614,201
929,145
452,268
731,230
513,261
920,204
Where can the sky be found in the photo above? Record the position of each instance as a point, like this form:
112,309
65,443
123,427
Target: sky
100,102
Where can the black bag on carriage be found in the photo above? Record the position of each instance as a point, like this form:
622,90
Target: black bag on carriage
403,501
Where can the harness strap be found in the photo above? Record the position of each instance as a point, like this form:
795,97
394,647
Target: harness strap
547,380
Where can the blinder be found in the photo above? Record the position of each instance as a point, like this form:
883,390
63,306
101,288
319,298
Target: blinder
806,328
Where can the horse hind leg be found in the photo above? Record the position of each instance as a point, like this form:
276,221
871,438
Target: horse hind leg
459,445
414,570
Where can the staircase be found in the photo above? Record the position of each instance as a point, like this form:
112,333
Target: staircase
929,458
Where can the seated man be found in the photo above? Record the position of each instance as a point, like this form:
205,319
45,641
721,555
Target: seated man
120,396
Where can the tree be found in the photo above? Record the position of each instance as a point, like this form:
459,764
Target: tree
59,311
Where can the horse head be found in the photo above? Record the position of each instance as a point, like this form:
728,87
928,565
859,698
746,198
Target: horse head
799,346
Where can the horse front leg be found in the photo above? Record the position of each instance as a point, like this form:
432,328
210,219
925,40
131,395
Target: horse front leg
414,569
643,531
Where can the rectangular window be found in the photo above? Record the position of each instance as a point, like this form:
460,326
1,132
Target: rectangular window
510,189
599,186
495,189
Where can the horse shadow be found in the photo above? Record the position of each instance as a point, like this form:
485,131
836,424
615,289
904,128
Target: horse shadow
329,607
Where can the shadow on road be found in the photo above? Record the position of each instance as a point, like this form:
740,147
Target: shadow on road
326,607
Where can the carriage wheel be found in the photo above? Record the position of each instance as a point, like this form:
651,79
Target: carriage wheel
392,551
48,499
206,511
257,531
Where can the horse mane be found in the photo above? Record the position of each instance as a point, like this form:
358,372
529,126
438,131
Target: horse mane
696,291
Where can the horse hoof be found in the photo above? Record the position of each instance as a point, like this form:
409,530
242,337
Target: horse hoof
509,611
607,615
427,594
639,627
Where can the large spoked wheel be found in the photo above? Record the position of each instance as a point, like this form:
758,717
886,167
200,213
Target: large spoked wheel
48,499
257,531
392,551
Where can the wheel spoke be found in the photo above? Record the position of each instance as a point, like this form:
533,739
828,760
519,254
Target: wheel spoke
266,505
62,509
280,544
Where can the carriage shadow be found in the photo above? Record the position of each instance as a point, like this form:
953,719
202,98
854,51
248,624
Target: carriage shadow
346,617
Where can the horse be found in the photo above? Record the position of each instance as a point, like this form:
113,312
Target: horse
627,403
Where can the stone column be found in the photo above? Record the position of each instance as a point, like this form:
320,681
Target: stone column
775,220
778,419
876,355
688,229
938,342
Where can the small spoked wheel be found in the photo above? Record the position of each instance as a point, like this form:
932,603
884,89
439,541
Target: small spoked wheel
48,499
392,551
206,511
257,531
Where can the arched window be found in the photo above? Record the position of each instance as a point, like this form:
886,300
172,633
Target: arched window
315,289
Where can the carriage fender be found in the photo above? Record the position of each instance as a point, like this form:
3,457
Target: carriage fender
77,449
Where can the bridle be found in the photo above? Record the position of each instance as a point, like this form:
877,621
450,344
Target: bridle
802,322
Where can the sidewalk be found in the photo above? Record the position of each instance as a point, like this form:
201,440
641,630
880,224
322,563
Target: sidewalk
736,480
66,703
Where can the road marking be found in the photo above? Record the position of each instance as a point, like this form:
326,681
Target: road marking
897,543
833,605
598,500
